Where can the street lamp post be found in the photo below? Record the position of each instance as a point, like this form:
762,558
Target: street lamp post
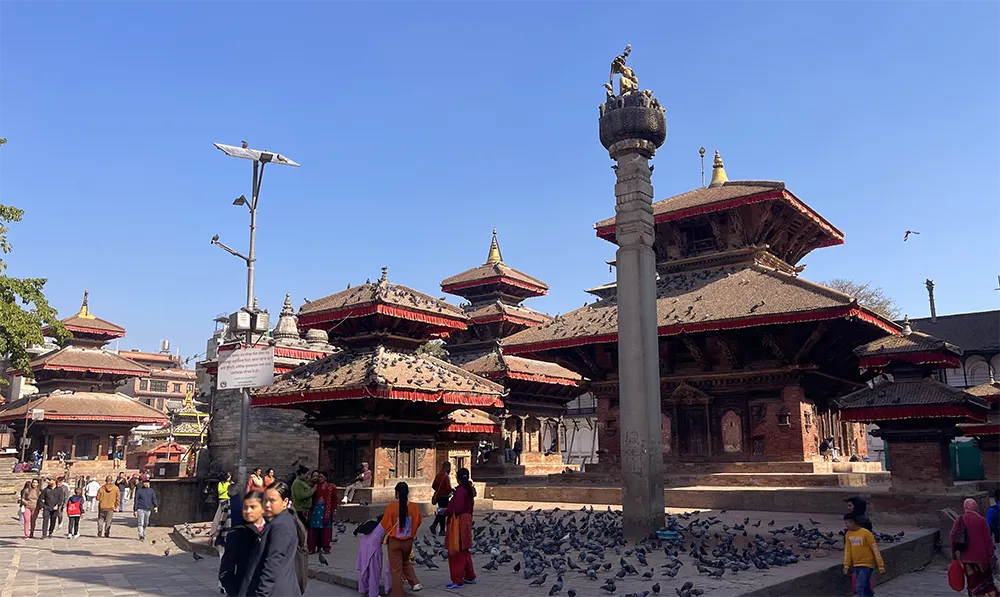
259,159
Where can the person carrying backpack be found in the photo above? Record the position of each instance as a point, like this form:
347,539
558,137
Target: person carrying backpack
74,511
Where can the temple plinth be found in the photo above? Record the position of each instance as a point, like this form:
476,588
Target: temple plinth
917,416
632,127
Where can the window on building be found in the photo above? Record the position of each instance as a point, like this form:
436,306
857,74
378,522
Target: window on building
699,238
177,388
157,386
190,387
143,384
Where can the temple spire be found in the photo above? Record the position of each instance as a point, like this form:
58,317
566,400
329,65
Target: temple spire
718,172
495,256
84,307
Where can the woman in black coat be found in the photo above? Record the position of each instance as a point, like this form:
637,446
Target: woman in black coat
272,566
240,543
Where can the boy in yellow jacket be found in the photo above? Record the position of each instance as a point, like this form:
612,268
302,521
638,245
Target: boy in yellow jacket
861,552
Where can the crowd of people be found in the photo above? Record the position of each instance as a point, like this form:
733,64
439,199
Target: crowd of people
266,534
53,500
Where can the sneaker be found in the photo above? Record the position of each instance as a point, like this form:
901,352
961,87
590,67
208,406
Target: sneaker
471,582
450,585
417,587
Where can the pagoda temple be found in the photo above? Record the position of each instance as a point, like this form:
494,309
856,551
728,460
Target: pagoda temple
77,410
537,391
751,355
917,415
378,401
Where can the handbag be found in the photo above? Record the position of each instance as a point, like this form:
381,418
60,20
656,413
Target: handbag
453,537
956,575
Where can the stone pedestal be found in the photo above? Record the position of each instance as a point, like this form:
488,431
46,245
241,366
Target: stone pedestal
919,459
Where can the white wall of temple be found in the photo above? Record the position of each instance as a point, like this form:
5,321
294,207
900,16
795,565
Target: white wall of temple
580,442
976,369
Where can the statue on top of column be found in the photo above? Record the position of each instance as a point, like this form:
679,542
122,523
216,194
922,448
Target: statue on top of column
629,82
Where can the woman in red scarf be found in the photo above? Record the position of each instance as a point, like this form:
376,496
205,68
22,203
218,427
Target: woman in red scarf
321,517
458,533
972,545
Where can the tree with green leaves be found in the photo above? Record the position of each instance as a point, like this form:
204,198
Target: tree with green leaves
870,297
23,308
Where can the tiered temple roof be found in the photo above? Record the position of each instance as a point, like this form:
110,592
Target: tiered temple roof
78,381
494,312
911,393
381,324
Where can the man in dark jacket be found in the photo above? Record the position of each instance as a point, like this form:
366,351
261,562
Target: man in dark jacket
51,502
143,505
271,569
858,506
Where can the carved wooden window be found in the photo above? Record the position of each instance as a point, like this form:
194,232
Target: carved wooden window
157,386
808,420
177,388
783,418
143,384
699,238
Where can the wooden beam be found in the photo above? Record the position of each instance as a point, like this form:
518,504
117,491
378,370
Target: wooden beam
697,352
818,332
771,344
731,357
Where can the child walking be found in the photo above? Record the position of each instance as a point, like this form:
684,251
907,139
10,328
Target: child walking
371,569
861,552
74,510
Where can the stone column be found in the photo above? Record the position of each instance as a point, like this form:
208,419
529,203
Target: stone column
72,449
632,127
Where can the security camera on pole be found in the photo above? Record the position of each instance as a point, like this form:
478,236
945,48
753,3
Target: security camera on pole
248,367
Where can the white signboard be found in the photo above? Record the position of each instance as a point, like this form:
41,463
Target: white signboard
245,368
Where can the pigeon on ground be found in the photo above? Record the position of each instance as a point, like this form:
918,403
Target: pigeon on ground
323,560
538,581
196,556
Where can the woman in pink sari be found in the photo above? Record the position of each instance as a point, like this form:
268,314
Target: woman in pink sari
371,568
972,545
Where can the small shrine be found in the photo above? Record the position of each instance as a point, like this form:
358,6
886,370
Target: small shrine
77,411
537,391
917,415
377,400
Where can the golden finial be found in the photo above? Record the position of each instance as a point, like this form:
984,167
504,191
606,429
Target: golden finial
495,256
84,308
718,172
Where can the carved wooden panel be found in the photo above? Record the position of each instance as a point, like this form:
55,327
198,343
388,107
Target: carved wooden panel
732,432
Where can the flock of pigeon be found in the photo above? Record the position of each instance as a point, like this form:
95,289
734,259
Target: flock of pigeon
559,549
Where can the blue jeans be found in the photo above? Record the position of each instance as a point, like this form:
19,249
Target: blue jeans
144,521
863,581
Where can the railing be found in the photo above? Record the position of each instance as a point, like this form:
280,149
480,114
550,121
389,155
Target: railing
581,411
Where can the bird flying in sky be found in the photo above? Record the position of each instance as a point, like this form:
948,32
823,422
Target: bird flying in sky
906,236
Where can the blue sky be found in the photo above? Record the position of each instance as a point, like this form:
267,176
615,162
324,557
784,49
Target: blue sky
420,127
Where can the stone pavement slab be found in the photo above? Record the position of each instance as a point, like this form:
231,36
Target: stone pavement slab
506,583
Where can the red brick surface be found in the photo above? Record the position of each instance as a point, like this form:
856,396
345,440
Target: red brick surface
923,466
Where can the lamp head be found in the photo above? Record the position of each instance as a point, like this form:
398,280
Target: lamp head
215,239
241,200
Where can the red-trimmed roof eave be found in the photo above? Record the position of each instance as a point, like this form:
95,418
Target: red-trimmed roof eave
607,232
469,400
493,280
447,322
109,418
537,378
94,331
129,372
930,411
921,358
471,428
673,330
300,353
504,317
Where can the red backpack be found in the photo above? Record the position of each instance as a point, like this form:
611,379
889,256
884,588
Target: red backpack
74,509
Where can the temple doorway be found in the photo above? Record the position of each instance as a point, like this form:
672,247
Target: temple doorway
732,432
693,431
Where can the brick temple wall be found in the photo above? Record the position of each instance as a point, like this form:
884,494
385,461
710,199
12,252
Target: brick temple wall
991,464
278,438
608,427
919,466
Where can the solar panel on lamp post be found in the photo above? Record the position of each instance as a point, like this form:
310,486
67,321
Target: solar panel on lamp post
259,159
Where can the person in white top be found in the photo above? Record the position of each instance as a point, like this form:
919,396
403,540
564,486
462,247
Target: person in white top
91,492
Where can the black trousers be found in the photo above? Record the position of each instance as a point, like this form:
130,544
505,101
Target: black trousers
74,525
439,518
53,519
